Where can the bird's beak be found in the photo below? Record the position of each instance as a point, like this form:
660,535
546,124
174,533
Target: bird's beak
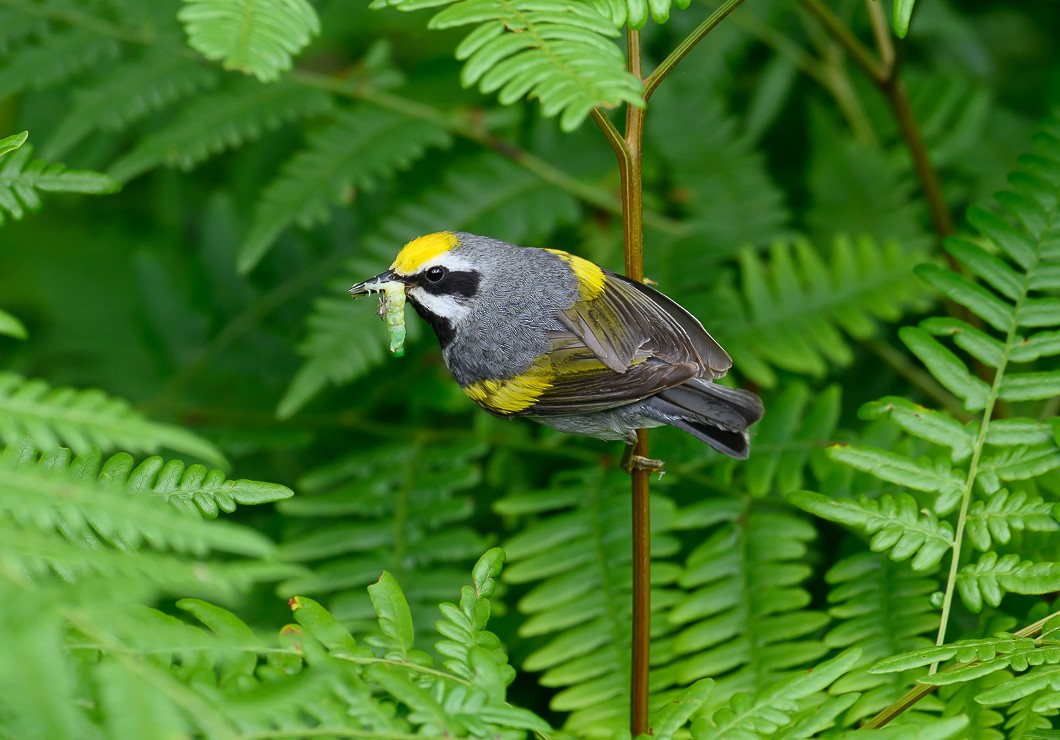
374,285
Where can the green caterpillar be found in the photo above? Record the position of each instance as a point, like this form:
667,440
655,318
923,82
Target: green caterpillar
392,307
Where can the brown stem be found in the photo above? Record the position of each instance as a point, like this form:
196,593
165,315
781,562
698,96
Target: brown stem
885,75
629,159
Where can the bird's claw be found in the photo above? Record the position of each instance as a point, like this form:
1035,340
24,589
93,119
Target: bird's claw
631,463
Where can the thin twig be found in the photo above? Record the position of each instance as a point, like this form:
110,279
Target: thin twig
885,76
686,45
919,691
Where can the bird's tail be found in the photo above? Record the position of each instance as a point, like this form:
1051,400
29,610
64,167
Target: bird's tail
713,413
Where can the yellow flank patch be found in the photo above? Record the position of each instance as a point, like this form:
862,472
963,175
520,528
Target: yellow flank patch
512,395
591,278
423,249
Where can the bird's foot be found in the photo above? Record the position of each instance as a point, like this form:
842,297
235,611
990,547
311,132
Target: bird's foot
631,463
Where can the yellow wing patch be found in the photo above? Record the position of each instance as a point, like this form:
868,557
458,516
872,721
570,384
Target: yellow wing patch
423,249
512,395
591,278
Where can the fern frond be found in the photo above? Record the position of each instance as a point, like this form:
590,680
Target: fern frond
984,656
57,58
464,627
257,37
743,618
1010,283
189,488
748,718
129,92
883,609
485,195
635,12
466,702
21,178
84,420
1025,720
218,122
731,204
896,523
551,50
60,490
424,495
360,148
10,326
988,579
994,519
576,560
796,426
799,304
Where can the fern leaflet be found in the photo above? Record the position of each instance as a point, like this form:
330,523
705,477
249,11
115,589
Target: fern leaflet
127,94
635,12
799,304
422,494
218,122
10,326
258,37
360,148
83,420
557,52
21,178
882,609
59,56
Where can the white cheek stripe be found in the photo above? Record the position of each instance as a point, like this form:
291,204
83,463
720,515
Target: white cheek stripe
445,306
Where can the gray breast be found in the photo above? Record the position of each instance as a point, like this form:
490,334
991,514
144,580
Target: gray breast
507,328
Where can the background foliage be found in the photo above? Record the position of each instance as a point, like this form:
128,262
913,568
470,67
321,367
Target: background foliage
181,326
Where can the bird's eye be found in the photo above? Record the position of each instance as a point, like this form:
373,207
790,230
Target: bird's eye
434,274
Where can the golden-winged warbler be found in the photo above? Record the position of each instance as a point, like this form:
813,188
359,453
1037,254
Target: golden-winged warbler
553,337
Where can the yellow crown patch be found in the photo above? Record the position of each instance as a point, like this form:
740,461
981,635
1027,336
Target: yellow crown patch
423,249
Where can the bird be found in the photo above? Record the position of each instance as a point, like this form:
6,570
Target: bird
553,337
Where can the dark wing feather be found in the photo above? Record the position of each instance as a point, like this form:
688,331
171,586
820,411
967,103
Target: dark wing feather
626,344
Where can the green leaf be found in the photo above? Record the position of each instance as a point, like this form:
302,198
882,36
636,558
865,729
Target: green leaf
976,298
13,142
83,420
896,523
1045,679
361,148
946,368
11,326
551,50
21,178
680,709
395,619
991,577
258,37
128,93
322,625
894,468
190,488
58,57
216,122
800,302
923,422
903,12
1030,386
993,520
